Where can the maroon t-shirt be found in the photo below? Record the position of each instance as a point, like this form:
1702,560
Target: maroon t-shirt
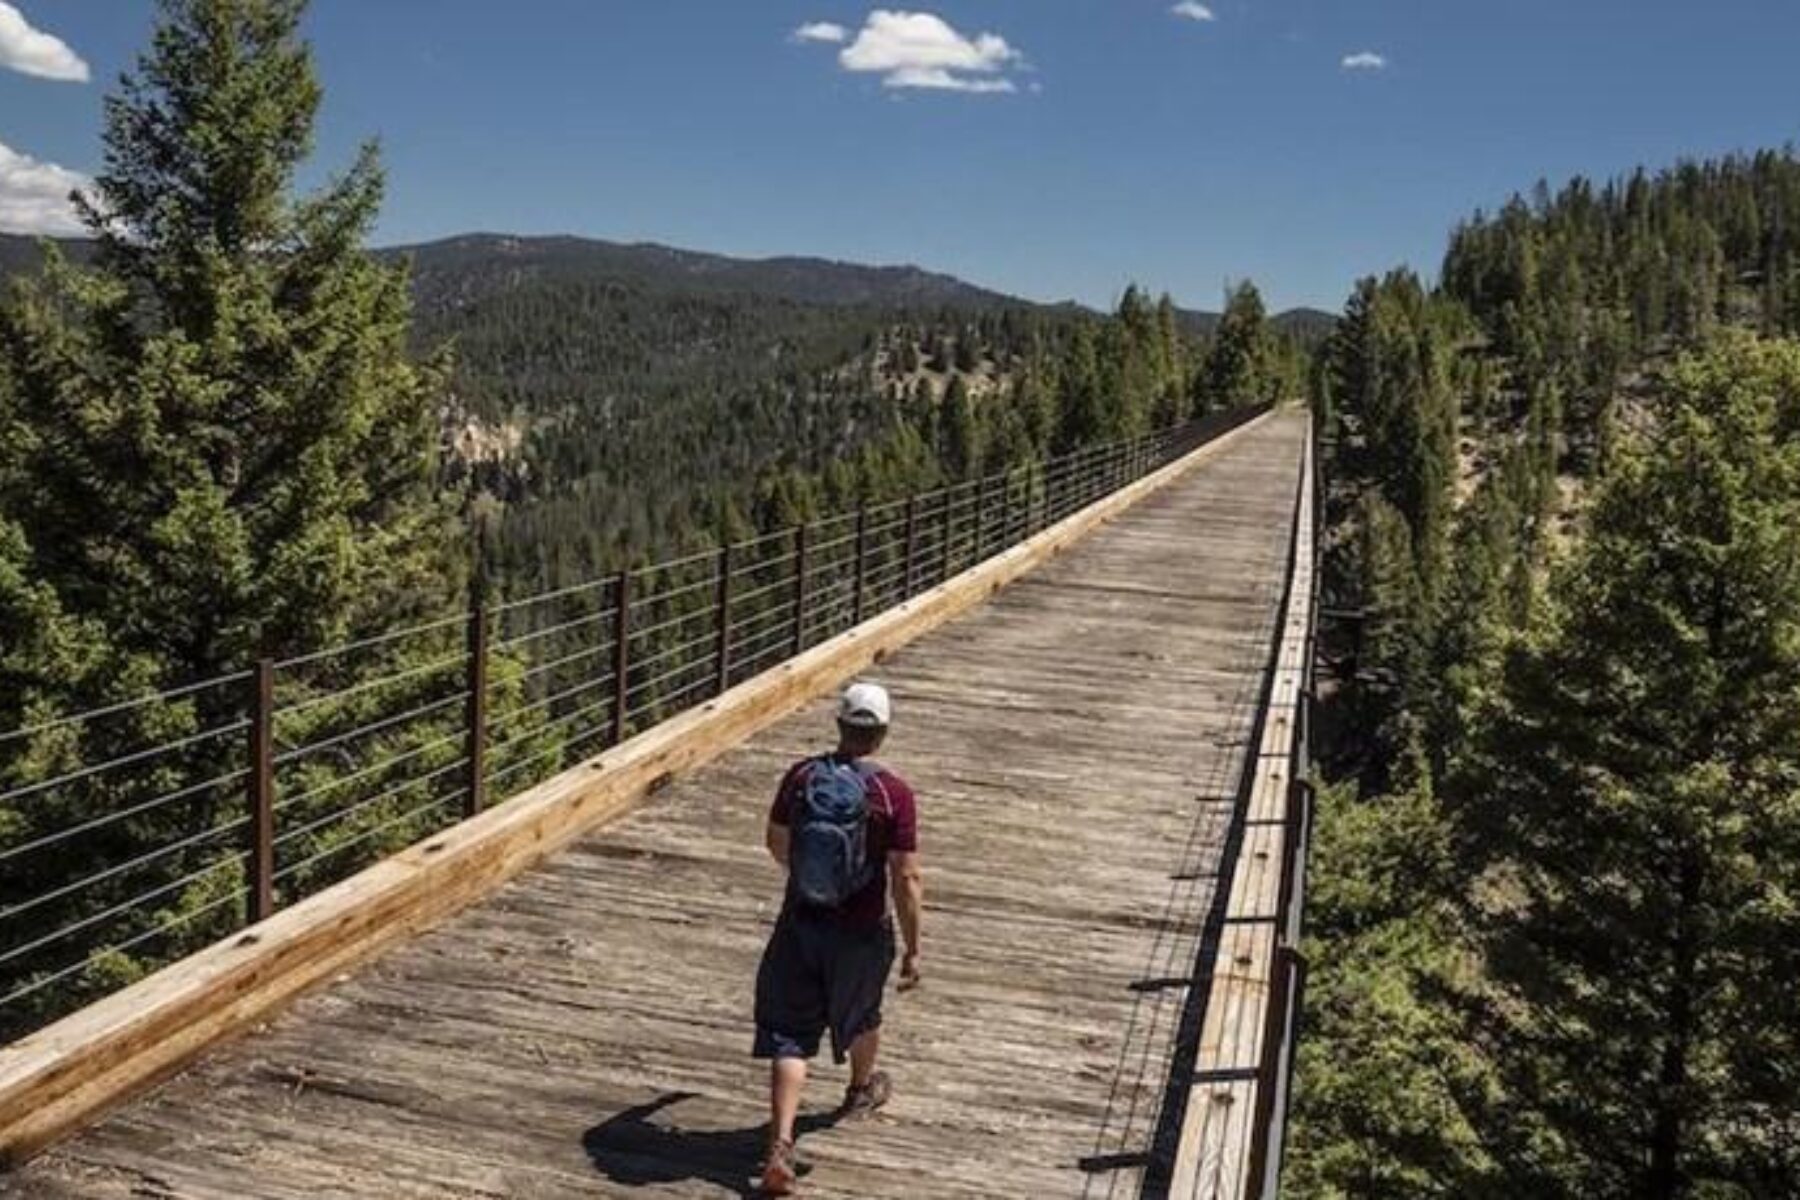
893,827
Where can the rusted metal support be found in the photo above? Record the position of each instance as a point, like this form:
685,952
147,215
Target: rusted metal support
983,505
1268,1126
1300,831
722,652
1006,511
621,653
262,791
1298,801
475,728
912,539
799,588
944,535
862,562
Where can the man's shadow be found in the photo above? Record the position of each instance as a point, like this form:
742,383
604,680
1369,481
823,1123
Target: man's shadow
633,1149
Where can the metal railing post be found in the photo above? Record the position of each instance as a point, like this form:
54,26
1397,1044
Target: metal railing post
862,562
1270,1074
621,652
799,588
1006,511
475,730
262,791
944,536
981,516
912,539
722,653
1299,795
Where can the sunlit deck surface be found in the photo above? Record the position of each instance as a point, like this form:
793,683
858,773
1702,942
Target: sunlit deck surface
585,1032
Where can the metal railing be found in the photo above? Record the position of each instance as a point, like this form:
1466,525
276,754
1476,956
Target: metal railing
1288,982
1247,1164
137,832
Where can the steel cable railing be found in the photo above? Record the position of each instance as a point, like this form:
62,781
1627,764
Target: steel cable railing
145,827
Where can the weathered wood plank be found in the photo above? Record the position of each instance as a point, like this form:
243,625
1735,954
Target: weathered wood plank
1209,1164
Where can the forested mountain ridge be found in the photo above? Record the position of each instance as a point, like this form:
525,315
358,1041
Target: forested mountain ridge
453,268
442,268
603,398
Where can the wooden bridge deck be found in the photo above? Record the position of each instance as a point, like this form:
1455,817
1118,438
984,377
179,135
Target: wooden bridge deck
586,1031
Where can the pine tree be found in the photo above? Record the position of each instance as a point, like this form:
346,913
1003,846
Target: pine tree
1236,371
1035,401
48,660
1081,417
1641,781
236,455
224,452
942,357
962,449
968,352
1172,401
1386,1068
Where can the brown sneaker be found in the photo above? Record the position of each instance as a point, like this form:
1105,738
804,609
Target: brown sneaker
862,1101
781,1170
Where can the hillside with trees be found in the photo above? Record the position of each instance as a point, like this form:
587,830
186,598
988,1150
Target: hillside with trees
605,400
1553,917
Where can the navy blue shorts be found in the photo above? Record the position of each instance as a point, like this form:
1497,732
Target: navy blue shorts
820,974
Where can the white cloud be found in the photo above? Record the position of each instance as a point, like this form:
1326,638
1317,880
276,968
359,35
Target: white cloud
1193,11
922,50
35,52
34,196
821,31
1368,60
938,79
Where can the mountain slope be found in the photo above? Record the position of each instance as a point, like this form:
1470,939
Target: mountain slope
488,260
477,262
452,270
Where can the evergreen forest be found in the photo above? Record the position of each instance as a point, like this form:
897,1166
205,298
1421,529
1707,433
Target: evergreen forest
1552,925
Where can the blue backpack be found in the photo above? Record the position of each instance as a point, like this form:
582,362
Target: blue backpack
829,854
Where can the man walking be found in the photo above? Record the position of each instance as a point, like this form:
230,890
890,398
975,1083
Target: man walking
843,826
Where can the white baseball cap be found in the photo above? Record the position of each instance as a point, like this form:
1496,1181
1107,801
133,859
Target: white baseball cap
865,706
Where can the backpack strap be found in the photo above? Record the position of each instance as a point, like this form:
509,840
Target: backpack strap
871,771
867,769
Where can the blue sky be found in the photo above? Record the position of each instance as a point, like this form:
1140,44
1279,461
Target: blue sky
1053,148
